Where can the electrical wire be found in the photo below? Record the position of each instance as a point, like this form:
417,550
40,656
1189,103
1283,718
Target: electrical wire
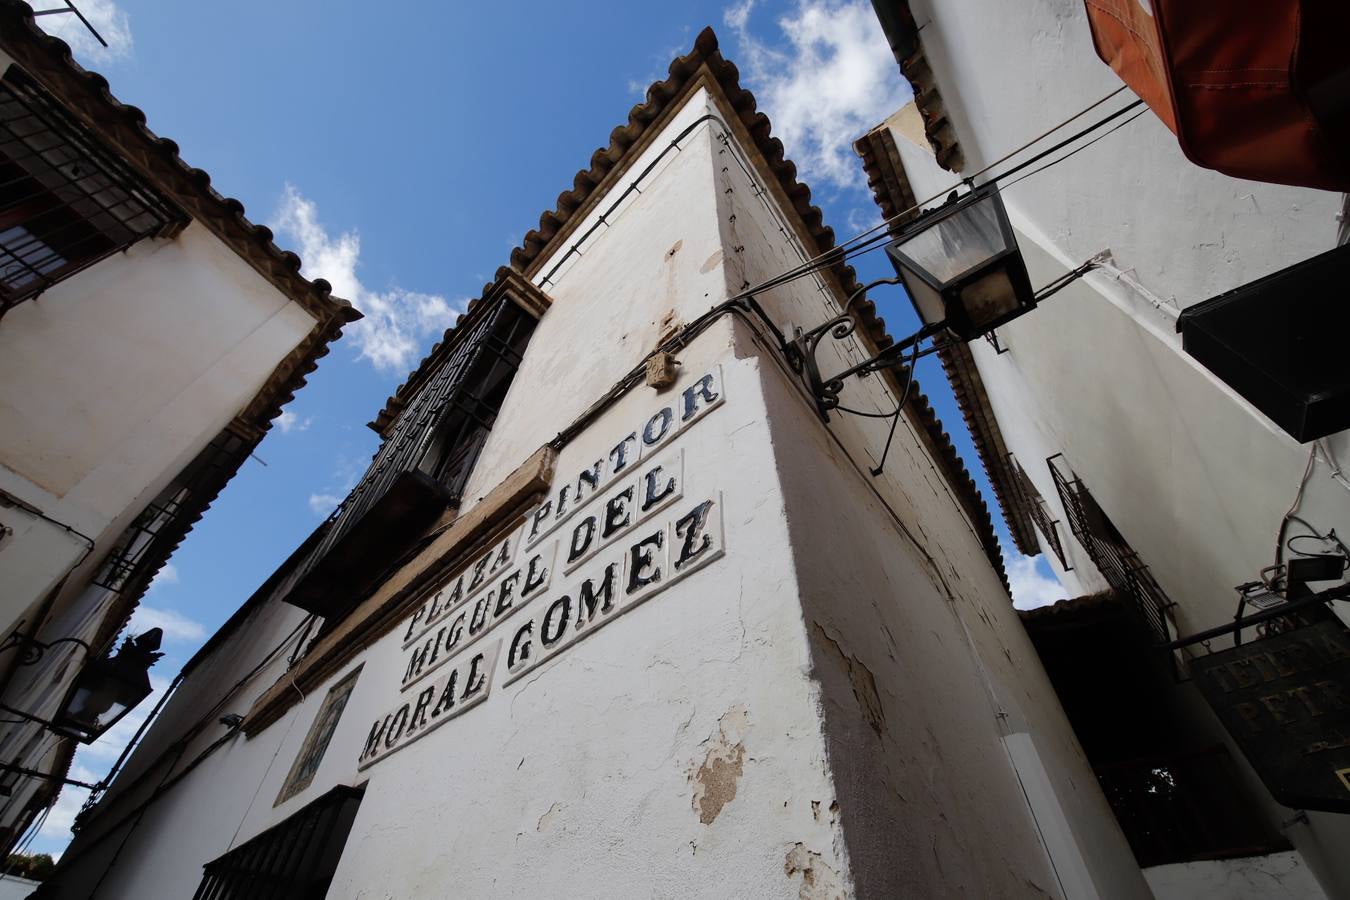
828,258
1331,461
861,243
849,249
899,410
1078,149
1293,507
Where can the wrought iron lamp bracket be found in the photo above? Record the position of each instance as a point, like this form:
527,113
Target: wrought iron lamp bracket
802,353
31,651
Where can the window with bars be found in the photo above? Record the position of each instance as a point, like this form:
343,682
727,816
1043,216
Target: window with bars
1113,556
153,535
65,201
1040,512
295,860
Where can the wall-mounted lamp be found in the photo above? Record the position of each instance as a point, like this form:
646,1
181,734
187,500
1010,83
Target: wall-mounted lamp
961,265
108,688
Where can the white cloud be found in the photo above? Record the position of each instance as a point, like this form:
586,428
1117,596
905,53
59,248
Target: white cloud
660,66
323,504
397,322
289,421
62,815
177,627
1030,588
108,19
167,574
91,764
864,218
833,80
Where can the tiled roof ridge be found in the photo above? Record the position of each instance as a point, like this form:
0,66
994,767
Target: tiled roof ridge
682,69
902,33
658,95
49,59
1071,605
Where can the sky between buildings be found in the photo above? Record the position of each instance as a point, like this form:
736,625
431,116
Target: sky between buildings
403,154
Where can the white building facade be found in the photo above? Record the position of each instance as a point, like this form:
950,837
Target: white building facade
149,333
650,626
1127,463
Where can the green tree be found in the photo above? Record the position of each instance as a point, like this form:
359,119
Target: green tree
37,866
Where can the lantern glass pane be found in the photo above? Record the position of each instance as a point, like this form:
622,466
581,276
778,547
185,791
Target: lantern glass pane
93,708
927,301
955,245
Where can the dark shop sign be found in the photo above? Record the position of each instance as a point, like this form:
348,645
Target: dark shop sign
1285,700
617,534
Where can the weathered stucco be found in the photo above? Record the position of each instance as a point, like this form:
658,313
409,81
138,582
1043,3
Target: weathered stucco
1194,478
816,711
89,432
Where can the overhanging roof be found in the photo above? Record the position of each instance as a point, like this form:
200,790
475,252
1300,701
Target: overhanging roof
121,129
86,95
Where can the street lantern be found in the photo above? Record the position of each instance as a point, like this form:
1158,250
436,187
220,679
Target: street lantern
108,688
961,265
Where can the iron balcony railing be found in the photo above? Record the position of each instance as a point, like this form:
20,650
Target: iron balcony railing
443,427
1113,556
1040,512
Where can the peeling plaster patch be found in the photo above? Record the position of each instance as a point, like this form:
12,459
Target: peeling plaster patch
819,880
711,263
546,820
863,683
715,779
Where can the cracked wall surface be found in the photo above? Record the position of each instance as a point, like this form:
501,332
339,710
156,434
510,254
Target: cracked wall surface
922,665
815,714
715,778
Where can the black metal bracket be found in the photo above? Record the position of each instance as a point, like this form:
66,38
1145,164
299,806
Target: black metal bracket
803,348
1336,593
31,651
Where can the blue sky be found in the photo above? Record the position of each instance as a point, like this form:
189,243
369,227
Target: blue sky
403,153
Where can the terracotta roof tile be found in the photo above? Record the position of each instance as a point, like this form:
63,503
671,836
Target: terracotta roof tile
902,32
539,243
86,94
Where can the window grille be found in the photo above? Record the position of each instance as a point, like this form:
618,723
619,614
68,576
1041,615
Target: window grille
295,860
1113,556
316,741
154,534
444,426
65,201
1040,512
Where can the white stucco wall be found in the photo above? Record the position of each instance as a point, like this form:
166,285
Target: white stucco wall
825,710
112,380
12,887
896,590
1277,876
1195,479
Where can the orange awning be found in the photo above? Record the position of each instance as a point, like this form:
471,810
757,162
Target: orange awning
1255,89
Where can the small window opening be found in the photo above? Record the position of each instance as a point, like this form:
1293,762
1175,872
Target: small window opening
65,201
